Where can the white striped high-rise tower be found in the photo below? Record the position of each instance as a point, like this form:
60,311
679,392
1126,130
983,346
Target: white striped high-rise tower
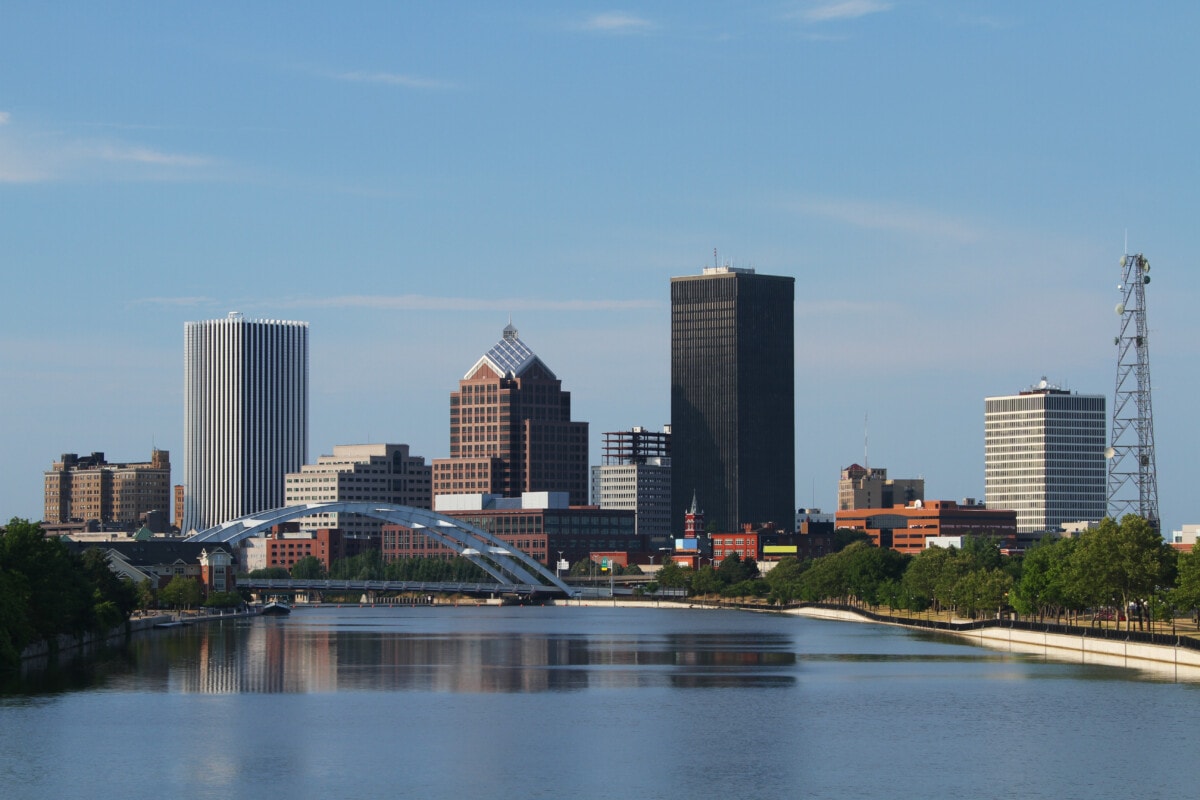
245,415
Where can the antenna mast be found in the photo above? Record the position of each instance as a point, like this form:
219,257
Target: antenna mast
866,430
1132,478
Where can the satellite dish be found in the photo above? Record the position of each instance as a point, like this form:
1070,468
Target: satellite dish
1145,265
1145,279
1120,309
1123,259
1109,453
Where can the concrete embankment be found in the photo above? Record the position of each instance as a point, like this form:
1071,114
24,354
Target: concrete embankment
1171,663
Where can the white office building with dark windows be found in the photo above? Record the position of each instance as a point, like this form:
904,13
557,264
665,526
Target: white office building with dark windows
1044,456
245,411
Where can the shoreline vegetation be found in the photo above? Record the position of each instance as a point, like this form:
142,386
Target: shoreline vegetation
1118,581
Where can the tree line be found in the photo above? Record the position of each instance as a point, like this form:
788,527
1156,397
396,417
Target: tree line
370,566
1120,570
46,591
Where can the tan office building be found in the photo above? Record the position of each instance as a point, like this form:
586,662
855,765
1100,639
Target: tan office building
89,487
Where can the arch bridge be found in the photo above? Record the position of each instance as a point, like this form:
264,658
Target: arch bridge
512,569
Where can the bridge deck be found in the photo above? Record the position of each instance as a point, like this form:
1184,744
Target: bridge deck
427,587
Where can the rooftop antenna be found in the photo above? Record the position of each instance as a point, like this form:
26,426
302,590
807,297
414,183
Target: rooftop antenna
715,263
866,431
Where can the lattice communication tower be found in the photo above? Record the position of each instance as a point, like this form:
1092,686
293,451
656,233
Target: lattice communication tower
1132,480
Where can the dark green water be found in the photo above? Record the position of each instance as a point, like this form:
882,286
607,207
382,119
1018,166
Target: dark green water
588,703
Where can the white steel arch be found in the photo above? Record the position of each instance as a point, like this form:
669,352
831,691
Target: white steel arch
499,559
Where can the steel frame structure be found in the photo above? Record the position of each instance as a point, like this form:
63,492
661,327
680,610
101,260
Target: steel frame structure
502,561
1132,479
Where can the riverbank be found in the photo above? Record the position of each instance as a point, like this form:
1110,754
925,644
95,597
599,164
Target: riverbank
39,653
1170,663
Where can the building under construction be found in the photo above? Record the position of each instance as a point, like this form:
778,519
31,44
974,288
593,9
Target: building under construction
636,475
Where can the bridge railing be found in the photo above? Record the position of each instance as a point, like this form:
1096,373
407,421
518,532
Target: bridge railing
453,587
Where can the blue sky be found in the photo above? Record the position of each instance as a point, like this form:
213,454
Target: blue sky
951,184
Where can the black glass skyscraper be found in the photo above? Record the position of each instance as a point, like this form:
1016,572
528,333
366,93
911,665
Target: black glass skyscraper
733,398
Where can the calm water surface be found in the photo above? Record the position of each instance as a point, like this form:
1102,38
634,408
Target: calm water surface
574,702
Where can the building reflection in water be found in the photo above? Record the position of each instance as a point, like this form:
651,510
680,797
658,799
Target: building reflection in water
280,655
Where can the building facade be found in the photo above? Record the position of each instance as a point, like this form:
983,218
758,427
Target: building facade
90,488
636,476
1044,456
511,429
375,473
284,549
864,487
245,415
540,524
733,397
906,527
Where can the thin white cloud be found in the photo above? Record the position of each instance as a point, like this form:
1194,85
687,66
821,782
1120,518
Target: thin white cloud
4,117
35,156
394,79
144,155
910,221
416,302
616,22
842,9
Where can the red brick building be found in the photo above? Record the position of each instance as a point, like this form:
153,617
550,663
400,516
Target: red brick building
745,543
284,550
511,430
905,528
539,524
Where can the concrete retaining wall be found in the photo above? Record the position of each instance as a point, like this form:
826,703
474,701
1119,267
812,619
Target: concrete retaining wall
1172,663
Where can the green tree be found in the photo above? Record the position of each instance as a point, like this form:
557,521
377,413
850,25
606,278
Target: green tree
844,537
53,584
117,595
981,590
925,573
735,569
673,576
146,594
270,574
366,566
308,568
707,581
223,600
1186,594
181,592
867,568
1122,563
822,581
1044,587
784,579
753,587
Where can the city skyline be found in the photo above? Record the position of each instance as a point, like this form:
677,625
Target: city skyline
952,188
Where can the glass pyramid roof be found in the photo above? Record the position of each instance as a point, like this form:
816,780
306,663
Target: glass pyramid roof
509,356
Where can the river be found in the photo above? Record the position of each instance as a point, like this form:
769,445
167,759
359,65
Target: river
571,702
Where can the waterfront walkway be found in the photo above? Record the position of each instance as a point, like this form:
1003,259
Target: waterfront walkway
1166,656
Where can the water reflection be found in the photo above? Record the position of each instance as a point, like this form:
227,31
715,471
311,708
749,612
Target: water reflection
281,656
